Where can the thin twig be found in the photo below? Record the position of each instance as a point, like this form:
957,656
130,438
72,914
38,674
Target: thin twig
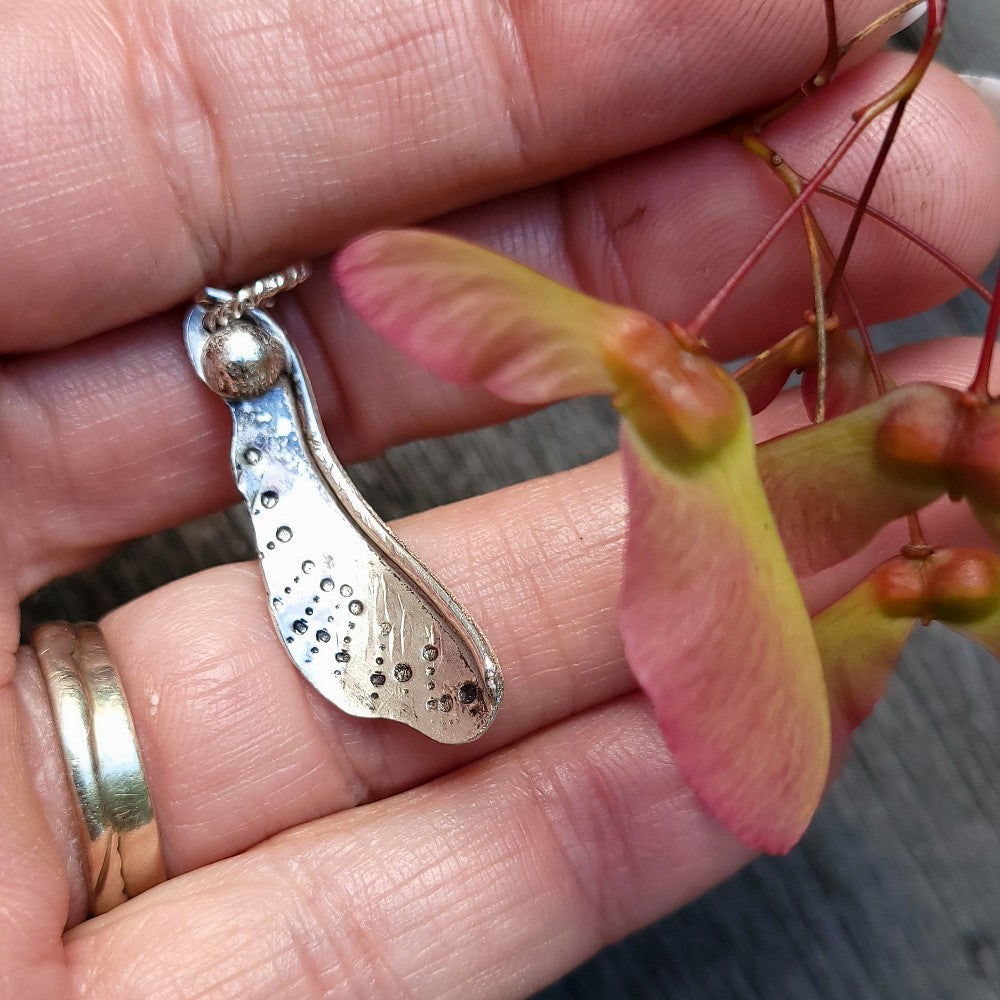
863,117
864,199
897,227
901,11
793,182
981,380
823,75
755,145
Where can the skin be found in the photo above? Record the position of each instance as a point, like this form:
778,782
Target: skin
154,149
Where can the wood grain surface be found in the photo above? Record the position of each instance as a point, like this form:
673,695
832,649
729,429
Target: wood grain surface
895,890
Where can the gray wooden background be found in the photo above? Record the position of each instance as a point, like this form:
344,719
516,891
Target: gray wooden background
895,890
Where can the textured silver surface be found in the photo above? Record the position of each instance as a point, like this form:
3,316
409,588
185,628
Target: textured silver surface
369,626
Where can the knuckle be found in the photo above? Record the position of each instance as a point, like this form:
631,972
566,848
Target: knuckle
177,124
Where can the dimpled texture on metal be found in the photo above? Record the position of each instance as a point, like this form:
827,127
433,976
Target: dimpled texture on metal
360,616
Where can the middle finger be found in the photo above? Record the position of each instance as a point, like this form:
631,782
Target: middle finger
120,438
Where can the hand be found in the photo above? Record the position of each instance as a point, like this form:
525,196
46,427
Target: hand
164,146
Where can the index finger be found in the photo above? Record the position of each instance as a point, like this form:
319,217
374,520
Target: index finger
155,147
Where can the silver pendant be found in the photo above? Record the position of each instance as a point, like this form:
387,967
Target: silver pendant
361,617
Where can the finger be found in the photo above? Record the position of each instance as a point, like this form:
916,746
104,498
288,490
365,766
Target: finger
32,868
119,438
538,565
489,883
158,146
237,746
771,300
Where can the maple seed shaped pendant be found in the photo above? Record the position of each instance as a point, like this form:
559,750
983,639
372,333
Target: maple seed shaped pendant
361,617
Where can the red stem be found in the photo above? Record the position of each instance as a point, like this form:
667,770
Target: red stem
866,338
832,57
981,381
820,78
863,117
897,227
866,194
918,547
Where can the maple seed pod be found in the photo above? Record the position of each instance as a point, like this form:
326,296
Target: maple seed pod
939,435
684,405
954,586
975,458
963,585
915,435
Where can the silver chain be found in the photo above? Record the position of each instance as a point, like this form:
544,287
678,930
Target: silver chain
253,296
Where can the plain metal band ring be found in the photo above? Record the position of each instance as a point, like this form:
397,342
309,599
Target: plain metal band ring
97,738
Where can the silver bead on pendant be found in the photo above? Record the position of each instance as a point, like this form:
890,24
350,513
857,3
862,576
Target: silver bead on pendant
362,618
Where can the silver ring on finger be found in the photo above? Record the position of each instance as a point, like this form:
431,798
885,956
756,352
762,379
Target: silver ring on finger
122,849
